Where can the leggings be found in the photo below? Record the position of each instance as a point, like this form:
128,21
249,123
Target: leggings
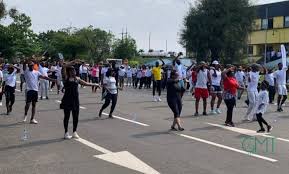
261,120
157,85
109,97
75,115
176,106
230,103
10,95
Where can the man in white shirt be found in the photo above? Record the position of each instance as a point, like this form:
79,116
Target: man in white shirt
134,73
9,86
121,76
202,85
269,77
216,90
252,89
280,82
129,76
148,75
22,79
32,83
240,77
44,83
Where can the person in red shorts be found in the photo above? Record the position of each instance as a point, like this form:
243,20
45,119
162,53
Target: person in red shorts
202,85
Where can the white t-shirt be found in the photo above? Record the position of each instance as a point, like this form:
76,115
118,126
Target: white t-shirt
270,79
148,73
240,75
32,79
1,74
202,79
10,79
181,71
216,81
280,76
129,73
104,70
134,71
262,98
44,71
253,84
121,72
84,69
110,83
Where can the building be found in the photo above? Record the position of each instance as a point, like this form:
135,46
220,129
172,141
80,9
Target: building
271,29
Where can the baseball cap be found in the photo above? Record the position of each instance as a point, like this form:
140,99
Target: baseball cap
215,62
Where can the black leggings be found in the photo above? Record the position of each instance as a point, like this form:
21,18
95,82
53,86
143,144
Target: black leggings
176,107
10,96
157,85
109,97
75,115
261,120
230,106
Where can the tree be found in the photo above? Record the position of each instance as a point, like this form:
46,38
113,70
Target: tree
2,9
97,42
124,48
218,29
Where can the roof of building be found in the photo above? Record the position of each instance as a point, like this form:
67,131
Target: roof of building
274,9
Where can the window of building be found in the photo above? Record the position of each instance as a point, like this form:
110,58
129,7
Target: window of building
264,24
286,21
270,23
250,50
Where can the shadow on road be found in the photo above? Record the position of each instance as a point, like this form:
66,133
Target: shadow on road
32,144
149,134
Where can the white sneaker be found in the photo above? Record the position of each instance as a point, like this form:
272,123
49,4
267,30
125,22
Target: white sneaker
218,111
33,121
75,135
155,99
25,119
213,112
159,99
67,136
1,103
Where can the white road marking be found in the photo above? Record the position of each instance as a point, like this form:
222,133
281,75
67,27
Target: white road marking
128,160
93,146
18,82
17,90
124,119
124,158
247,132
227,147
57,101
81,107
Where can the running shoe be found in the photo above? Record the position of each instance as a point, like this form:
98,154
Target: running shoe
173,128
196,114
269,128
1,103
205,114
213,112
155,99
75,135
181,129
67,136
261,131
159,99
218,111
25,119
33,121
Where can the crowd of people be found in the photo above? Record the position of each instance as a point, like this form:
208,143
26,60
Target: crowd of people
222,83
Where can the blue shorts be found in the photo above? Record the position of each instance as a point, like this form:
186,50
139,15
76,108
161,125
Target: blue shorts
216,89
181,84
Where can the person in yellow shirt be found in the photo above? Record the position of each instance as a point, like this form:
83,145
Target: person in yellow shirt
157,80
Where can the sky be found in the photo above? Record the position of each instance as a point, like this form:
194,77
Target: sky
162,18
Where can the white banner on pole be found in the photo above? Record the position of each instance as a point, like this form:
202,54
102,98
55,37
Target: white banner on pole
284,58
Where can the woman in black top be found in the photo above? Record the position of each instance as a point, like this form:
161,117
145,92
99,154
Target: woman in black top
174,99
70,100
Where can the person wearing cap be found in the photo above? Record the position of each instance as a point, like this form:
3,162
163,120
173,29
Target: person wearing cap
280,82
252,90
202,85
240,77
216,90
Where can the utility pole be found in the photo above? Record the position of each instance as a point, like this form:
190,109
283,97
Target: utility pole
124,33
149,41
265,56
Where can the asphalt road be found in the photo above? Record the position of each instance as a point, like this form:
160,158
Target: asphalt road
139,140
